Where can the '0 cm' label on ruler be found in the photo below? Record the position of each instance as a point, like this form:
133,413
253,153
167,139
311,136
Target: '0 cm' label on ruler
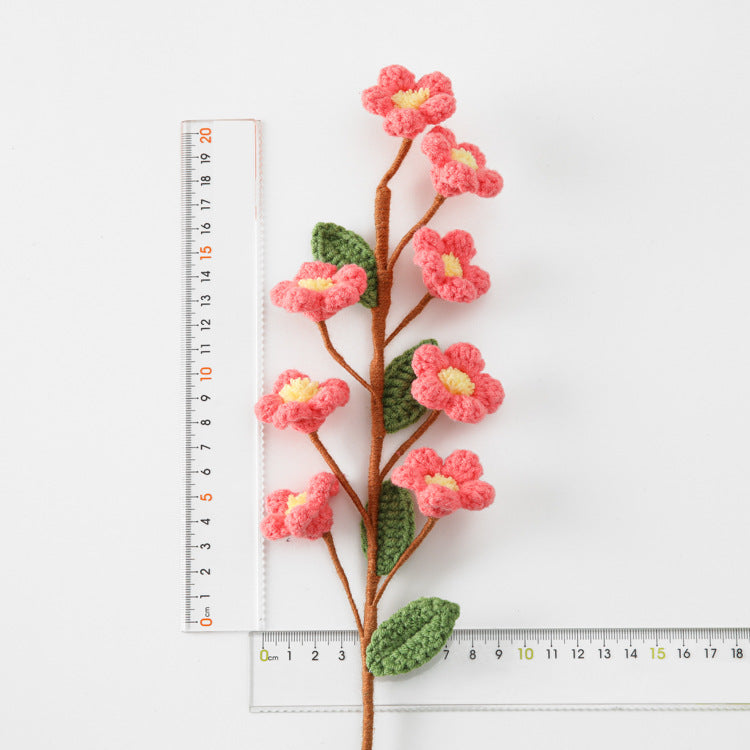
221,337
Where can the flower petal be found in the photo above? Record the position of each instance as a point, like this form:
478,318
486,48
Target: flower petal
489,391
428,240
314,269
267,406
463,466
404,123
490,183
456,289
430,392
478,278
276,502
437,145
324,485
331,394
465,357
307,426
274,526
479,157
436,82
437,501
438,108
461,244
475,495
428,358
466,409
396,78
454,178
377,100
419,463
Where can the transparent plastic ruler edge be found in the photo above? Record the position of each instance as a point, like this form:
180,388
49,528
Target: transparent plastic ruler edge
222,324
495,669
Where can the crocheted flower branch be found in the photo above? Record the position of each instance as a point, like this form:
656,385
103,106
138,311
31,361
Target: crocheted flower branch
417,386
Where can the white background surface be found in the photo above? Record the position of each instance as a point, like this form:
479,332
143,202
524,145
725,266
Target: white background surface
618,254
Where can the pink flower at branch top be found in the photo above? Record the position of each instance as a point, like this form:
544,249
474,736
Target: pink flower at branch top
320,290
306,514
444,486
301,403
408,105
454,382
458,167
446,270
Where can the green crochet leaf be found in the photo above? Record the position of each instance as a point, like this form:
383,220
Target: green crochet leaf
400,409
334,244
395,526
412,636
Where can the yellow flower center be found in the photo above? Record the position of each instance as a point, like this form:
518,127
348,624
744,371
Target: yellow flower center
462,155
410,99
317,285
452,265
456,381
293,501
299,389
441,480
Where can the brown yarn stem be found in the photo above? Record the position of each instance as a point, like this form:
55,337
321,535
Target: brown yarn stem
328,458
328,539
377,431
426,529
409,442
331,349
400,156
431,211
408,319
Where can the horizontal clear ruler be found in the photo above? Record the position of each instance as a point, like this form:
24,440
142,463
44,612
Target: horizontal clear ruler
221,345
499,669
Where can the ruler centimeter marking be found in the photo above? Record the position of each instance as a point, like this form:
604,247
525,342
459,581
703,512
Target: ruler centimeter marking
495,668
220,179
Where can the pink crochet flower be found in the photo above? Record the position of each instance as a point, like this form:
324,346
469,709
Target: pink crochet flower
301,403
320,290
306,514
445,265
444,486
454,382
408,105
459,167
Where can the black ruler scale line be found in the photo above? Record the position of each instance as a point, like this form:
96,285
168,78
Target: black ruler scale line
187,242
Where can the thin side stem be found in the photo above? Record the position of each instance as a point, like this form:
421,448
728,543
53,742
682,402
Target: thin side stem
408,319
331,349
426,529
328,458
409,442
328,539
431,211
400,156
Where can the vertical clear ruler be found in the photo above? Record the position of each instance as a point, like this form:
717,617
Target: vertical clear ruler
221,235
522,669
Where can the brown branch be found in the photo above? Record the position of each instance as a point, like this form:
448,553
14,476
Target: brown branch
328,539
400,156
408,319
409,442
328,458
331,349
431,211
426,529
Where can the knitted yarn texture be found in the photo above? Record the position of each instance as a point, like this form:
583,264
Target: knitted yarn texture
412,636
